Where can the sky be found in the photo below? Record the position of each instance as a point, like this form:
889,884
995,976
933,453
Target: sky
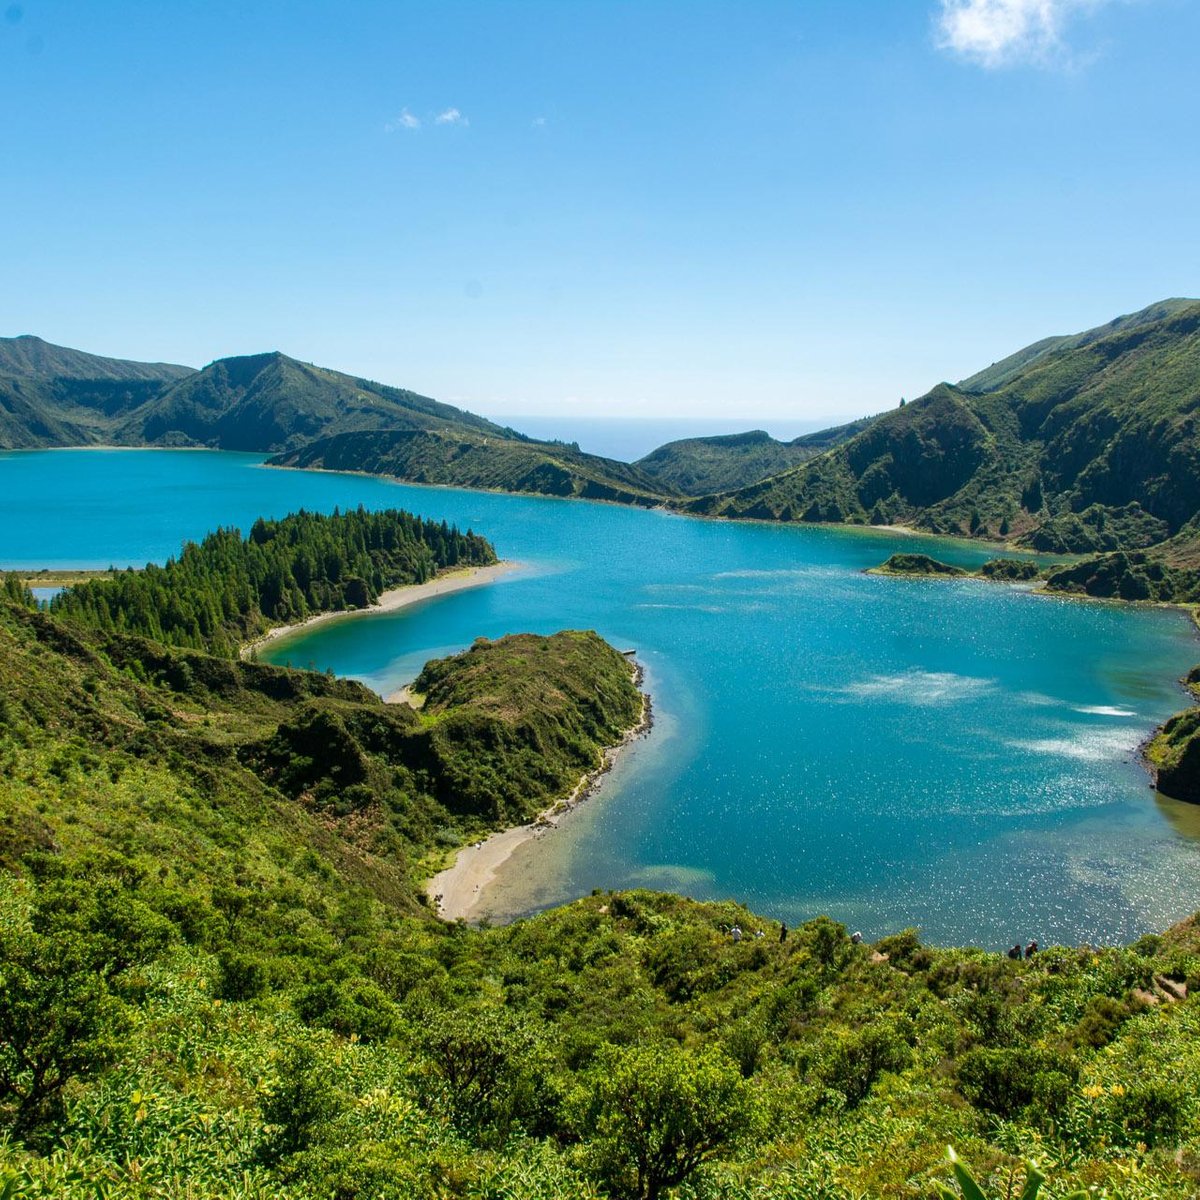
783,211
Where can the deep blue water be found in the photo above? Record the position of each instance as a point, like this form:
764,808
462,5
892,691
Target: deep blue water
954,755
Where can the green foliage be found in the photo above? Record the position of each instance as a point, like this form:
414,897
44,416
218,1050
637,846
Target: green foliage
1128,577
13,589
1175,753
1014,570
226,589
656,1113
510,464
702,466
214,959
1081,444
297,1103
64,963
514,723
917,564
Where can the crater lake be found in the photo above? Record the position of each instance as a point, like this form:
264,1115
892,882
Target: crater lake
949,754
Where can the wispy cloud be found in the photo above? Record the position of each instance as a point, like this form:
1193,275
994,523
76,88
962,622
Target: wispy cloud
538,122
1002,33
405,120
450,116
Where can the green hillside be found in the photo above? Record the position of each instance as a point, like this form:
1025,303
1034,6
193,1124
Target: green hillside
699,466
269,402
510,464
999,373
53,396
218,978
1089,443
311,416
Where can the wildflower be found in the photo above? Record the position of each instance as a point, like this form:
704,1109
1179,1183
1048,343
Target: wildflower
1093,1090
1117,1089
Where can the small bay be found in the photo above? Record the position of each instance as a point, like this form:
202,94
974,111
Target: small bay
954,755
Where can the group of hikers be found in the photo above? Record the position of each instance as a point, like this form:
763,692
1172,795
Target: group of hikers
1030,950
736,933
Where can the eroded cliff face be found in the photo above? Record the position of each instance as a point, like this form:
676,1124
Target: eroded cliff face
1175,753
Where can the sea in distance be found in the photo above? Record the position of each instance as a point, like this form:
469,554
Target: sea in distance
953,755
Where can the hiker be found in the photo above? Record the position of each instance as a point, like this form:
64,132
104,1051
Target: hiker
856,937
736,933
1031,949
783,931
1015,952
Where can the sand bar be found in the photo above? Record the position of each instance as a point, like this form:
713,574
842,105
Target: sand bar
454,580
458,892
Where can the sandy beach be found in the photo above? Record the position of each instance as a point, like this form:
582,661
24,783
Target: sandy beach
458,892
456,580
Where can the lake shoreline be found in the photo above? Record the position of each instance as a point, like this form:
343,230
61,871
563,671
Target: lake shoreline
458,891
456,579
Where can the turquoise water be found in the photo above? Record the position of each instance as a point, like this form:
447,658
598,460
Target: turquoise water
954,755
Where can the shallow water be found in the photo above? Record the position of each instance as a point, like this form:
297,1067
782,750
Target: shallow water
949,754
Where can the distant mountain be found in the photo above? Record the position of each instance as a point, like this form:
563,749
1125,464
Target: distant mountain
698,466
30,356
506,463
306,415
1077,444
270,402
53,396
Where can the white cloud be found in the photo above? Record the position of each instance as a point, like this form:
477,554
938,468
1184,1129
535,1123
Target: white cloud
450,116
404,121
538,122
1000,33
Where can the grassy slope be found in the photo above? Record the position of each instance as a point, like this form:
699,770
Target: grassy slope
51,395
269,402
506,464
1056,453
275,404
701,466
259,752
296,1024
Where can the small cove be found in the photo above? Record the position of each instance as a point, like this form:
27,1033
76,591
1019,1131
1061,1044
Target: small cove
949,754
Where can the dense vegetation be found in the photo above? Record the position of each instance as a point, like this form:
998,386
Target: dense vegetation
511,464
1086,443
1128,577
219,980
268,402
917,564
225,589
997,570
52,396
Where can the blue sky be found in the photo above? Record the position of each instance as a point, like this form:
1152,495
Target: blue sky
779,210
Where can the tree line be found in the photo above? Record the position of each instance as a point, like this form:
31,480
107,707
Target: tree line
225,589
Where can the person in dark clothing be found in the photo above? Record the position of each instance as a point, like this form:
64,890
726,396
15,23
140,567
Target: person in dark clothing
783,931
1031,949
1015,952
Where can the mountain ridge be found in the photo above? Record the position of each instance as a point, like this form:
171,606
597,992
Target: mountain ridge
1089,444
